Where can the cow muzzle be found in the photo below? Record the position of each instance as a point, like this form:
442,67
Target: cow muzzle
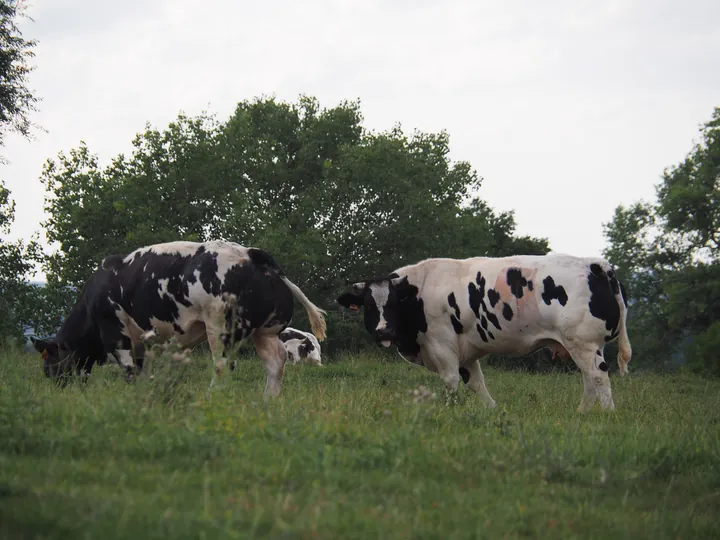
384,338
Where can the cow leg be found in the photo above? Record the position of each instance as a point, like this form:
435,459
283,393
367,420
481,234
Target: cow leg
273,354
217,349
596,383
447,364
476,382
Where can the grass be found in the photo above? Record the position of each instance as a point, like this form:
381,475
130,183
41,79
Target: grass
347,452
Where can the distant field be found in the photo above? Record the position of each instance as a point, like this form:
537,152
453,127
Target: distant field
346,453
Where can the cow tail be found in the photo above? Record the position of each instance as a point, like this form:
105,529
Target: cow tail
624,349
315,314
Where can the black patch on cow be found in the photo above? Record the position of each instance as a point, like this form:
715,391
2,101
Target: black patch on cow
553,292
453,304
112,262
457,325
305,348
493,297
411,319
507,311
483,322
598,352
483,336
474,299
493,319
603,366
455,319
491,335
613,282
465,374
288,334
516,281
264,259
603,304
530,285
177,329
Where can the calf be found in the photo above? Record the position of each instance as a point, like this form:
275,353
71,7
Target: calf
219,291
301,346
445,314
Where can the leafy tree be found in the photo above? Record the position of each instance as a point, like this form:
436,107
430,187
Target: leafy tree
19,300
669,255
329,200
16,100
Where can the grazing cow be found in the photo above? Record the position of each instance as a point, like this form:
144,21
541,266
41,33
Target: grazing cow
301,346
445,314
219,291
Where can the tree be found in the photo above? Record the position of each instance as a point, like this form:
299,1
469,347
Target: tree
329,200
669,255
16,99
18,298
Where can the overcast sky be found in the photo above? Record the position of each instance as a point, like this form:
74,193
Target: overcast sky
565,108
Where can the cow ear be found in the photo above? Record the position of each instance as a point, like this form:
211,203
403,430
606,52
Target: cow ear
403,289
351,301
39,344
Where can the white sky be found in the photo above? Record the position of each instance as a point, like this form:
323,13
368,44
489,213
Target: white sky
566,109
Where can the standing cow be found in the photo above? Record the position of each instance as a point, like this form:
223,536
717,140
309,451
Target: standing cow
301,346
445,314
180,289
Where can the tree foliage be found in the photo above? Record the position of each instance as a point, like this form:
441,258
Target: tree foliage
20,301
669,254
16,99
330,200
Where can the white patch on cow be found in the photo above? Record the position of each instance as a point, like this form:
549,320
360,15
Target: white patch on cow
125,358
163,286
386,343
170,248
380,293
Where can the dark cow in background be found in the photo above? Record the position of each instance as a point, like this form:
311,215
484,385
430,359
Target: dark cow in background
219,291
445,314
301,346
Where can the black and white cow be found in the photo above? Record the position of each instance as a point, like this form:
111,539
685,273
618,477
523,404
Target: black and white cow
180,289
445,314
301,346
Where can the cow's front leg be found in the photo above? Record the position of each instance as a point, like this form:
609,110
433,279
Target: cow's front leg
273,354
447,364
475,380
217,350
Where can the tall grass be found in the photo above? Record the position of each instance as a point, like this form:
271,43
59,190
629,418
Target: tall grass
349,451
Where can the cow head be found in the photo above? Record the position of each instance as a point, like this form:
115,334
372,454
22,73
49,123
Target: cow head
56,361
382,299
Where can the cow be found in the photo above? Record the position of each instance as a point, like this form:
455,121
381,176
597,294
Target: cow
446,314
216,290
301,346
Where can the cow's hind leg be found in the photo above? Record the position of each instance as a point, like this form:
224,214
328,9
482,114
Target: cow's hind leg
473,377
596,383
273,354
